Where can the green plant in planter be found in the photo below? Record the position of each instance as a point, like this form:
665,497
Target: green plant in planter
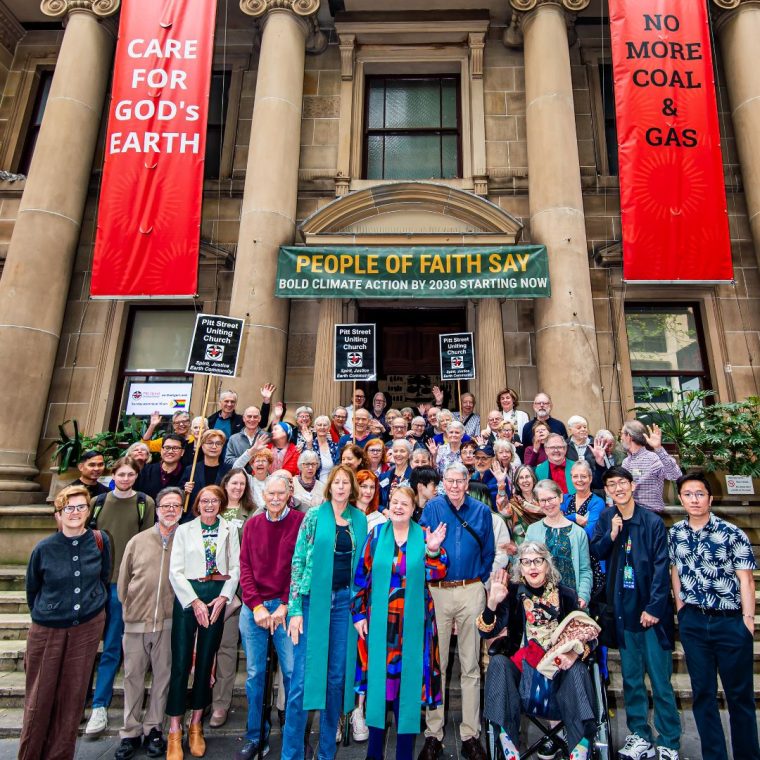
708,436
112,444
69,448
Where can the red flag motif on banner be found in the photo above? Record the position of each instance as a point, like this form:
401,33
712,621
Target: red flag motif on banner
672,194
149,213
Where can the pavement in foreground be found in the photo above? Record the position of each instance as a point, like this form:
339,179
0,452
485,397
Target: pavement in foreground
223,743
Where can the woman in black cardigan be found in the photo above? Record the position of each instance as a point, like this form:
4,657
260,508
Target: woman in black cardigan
67,589
525,614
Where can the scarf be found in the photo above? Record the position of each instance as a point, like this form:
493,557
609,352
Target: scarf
412,646
320,598
308,487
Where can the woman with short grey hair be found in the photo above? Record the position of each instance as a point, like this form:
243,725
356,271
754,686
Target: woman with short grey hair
308,491
451,451
323,445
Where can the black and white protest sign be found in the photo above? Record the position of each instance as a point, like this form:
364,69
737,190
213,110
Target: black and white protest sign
215,346
457,356
355,352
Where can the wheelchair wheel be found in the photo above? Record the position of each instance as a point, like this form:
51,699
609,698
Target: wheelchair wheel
602,749
493,745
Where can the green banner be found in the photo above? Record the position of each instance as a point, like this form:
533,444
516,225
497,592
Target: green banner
499,271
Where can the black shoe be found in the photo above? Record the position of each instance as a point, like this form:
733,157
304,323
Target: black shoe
472,749
308,751
250,750
548,749
281,716
154,743
432,749
127,749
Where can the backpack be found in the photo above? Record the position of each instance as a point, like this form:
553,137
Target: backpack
142,502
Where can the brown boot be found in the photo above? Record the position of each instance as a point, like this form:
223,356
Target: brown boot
174,747
195,740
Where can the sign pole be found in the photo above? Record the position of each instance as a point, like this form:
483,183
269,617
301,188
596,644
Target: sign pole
459,398
353,423
198,441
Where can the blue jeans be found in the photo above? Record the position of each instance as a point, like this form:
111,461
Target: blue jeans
643,653
295,715
255,642
111,657
720,645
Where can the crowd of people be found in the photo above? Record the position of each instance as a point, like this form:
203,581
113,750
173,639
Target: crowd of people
355,547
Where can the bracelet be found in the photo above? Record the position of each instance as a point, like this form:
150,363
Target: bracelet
483,626
259,607
749,617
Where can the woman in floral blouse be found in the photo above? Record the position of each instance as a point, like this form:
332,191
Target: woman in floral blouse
398,658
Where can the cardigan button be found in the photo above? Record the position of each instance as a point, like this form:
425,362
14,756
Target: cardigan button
75,558
75,543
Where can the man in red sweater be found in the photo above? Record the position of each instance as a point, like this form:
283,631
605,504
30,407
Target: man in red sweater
266,552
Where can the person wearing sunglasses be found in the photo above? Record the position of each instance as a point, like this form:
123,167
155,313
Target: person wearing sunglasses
204,572
521,616
147,599
67,586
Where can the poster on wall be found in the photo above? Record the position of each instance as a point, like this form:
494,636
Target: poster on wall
149,212
143,399
672,192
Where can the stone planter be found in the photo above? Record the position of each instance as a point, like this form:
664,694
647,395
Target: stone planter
60,480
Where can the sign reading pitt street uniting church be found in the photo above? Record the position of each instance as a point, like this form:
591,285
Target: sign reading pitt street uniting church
149,212
216,345
355,355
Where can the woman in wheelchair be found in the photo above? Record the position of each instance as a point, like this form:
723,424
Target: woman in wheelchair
536,664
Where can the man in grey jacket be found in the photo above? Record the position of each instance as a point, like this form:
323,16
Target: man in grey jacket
147,599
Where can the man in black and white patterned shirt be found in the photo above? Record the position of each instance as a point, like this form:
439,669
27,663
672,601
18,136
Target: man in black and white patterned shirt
711,571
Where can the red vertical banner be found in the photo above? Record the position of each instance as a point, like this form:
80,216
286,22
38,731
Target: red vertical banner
672,193
149,213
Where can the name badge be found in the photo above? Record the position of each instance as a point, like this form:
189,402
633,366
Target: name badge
628,580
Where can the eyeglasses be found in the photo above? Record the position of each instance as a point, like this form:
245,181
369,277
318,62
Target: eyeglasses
172,448
209,502
694,495
535,562
213,443
550,500
555,448
71,508
455,481
619,483
374,451
541,403
170,507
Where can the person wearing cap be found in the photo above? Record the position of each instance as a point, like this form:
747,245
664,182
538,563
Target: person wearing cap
91,467
711,566
284,451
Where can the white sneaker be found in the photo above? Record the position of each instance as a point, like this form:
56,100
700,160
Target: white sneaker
636,748
98,722
663,753
339,731
359,729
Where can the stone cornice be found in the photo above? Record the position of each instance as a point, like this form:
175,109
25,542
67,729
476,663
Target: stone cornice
258,8
100,8
11,30
572,6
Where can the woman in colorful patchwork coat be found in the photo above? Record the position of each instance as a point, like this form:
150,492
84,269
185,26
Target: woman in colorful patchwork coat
398,661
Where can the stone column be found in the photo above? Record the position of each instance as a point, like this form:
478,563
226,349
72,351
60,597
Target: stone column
568,362
325,394
739,31
268,216
35,283
489,354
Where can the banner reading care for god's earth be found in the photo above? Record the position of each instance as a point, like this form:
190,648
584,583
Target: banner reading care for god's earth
150,203
672,196
510,271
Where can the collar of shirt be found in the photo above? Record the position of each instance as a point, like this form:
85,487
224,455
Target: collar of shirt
281,517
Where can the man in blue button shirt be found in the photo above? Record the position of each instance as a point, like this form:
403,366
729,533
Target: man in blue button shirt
460,599
711,571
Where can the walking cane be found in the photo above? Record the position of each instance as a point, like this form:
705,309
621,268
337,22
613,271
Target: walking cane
265,708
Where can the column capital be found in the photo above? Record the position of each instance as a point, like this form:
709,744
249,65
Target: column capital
723,10
571,6
99,8
730,5
259,8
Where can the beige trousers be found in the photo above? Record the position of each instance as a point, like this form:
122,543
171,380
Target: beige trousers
140,651
461,606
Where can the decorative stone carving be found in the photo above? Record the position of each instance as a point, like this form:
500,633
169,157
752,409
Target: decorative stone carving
727,5
573,6
11,30
100,8
258,8
347,51
476,43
